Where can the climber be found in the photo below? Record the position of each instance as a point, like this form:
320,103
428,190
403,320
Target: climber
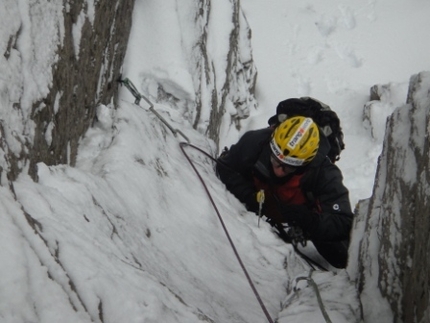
303,189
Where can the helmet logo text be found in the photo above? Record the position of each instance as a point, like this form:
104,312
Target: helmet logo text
300,133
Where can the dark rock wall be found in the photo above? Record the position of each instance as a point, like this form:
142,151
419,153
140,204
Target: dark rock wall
83,78
397,231
241,75
81,81
221,94
416,215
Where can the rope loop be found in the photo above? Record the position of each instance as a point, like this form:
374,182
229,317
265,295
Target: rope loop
314,285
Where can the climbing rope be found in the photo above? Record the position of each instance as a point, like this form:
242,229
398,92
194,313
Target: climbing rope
295,238
130,86
310,262
314,285
182,144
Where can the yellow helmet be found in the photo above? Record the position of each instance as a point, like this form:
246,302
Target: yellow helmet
295,141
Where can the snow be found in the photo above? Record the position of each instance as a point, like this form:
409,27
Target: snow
336,51
129,234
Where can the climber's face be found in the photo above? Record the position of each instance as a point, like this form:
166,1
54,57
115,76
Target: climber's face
279,168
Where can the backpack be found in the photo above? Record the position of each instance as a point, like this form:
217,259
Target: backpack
323,116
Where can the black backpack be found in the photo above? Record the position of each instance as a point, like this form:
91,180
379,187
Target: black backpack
322,115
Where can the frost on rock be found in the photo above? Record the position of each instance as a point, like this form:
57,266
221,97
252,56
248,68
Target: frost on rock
394,257
384,99
61,64
214,90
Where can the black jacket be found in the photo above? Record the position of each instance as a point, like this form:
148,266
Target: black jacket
327,215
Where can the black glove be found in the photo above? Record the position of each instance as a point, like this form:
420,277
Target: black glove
297,236
289,234
298,215
271,209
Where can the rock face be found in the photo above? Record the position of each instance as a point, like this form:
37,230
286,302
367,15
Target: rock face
82,80
236,96
65,58
395,250
81,67
383,101
214,58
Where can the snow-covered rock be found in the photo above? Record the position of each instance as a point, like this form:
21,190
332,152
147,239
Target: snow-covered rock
394,258
201,64
61,60
112,225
